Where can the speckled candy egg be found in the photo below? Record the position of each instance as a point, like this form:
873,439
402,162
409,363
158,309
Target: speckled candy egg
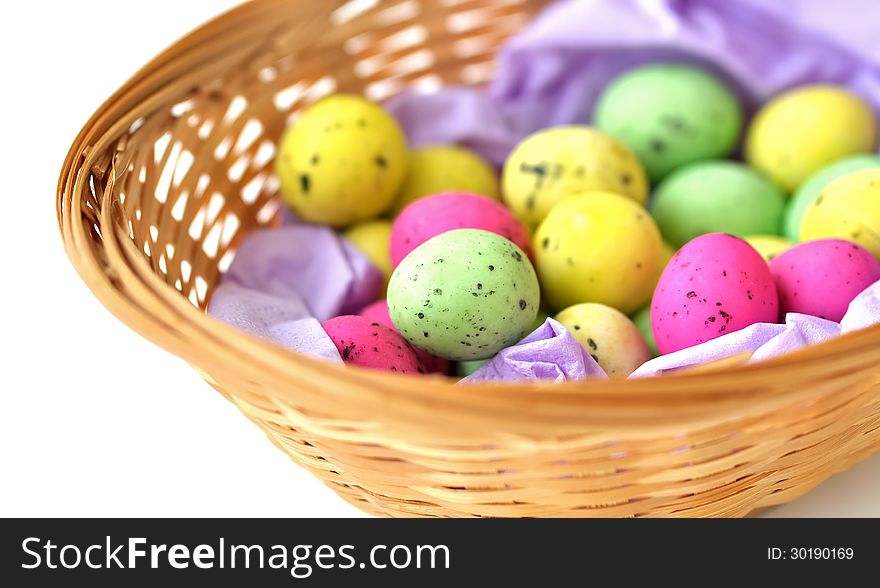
801,131
716,197
558,162
446,168
343,161
715,284
367,343
769,246
848,208
670,115
608,335
808,191
378,313
821,278
465,368
597,247
464,294
373,239
666,253
437,214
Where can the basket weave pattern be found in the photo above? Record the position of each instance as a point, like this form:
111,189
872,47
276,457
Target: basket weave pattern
173,170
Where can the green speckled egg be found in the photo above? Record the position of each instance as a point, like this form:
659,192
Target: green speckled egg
717,197
464,294
642,320
810,190
342,162
540,318
670,115
466,368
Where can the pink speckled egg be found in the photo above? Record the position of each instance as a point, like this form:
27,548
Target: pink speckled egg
714,285
367,343
378,313
822,277
428,217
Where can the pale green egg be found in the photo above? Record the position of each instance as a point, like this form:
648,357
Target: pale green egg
464,294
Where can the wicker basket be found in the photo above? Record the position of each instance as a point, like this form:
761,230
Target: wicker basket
174,169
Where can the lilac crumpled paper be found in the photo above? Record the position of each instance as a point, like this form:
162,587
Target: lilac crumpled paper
552,72
284,282
550,352
763,340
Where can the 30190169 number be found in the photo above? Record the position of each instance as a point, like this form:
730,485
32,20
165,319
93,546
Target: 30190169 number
812,553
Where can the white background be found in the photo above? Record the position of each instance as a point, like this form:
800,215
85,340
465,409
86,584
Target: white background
95,420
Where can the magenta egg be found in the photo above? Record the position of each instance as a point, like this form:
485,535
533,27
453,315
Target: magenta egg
428,217
367,343
378,312
714,285
821,278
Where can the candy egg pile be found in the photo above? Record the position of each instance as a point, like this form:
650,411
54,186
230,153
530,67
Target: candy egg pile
641,230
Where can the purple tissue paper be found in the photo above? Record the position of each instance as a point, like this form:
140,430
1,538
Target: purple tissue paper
762,340
283,283
550,352
307,262
863,311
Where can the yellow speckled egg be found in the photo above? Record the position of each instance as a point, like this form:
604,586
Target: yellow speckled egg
769,246
343,161
373,239
558,162
805,129
608,335
666,253
437,169
848,208
597,247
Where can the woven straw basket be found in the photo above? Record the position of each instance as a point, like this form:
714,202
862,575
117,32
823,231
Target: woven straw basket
174,169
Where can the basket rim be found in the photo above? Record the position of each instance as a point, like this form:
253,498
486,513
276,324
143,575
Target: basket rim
157,311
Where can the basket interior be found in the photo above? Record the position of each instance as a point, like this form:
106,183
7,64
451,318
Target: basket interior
195,173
